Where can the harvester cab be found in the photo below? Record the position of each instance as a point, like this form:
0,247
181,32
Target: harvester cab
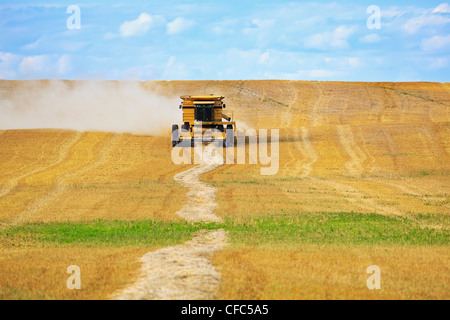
204,121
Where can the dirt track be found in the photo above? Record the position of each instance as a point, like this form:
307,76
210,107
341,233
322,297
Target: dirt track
200,198
184,272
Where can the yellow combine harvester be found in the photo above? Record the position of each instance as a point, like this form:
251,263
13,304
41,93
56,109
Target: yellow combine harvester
203,121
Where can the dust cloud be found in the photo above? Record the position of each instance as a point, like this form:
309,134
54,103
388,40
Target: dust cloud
110,106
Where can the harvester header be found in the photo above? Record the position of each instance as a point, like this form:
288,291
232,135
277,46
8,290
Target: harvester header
202,98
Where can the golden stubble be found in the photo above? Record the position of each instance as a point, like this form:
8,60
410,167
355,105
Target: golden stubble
88,176
364,147
332,272
41,273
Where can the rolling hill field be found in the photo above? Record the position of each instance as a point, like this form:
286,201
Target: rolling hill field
363,180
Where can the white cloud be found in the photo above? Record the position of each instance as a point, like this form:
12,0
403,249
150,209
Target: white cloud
136,27
264,58
426,19
34,65
244,56
436,43
220,30
44,66
442,8
171,69
178,25
31,6
321,73
343,62
32,46
263,23
110,35
225,27
63,65
370,38
315,74
437,63
330,40
393,12
175,70
8,64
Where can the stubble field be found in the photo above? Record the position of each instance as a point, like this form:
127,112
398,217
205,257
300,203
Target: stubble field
362,180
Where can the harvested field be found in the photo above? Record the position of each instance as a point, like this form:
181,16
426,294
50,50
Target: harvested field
352,156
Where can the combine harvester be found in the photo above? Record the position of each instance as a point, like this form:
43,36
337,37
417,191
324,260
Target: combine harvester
203,121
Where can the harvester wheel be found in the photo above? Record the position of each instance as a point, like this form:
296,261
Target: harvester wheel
175,135
229,137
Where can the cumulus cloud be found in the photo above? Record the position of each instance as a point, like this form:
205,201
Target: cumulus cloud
338,39
63,64
136,27
33,45
370,38
34,65
343,62
8,63
442,8
264,58
314,74
37,66
179,25
415,24
247,57
175,70
428,18
436,43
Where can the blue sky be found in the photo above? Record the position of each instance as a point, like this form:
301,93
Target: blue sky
221,40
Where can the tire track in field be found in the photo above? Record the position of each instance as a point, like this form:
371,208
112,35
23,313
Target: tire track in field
358,197
357,157
184,272
321,101
407,187
446,87
60,185
361,199
355,168
288,167
63,151
27,167
308,152
372,169
433,142
301,165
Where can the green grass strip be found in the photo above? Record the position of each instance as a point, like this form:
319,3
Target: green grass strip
340,228
106,233
291,228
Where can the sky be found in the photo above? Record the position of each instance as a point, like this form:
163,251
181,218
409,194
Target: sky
358,40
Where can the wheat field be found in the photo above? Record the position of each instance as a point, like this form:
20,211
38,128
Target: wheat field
372,149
